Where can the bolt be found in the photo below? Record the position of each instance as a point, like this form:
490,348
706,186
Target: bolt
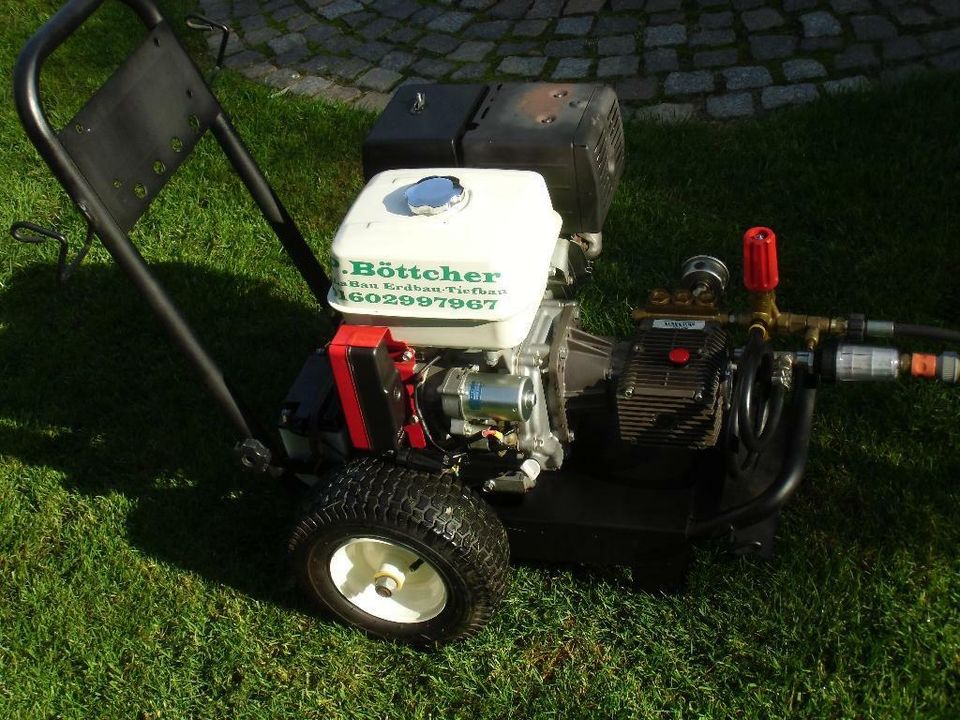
563,352
698,396
489,486
628,392
407,355
385,586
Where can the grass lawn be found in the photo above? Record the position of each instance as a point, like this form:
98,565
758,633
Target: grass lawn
142,573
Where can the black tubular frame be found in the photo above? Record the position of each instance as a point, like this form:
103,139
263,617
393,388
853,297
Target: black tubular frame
26,80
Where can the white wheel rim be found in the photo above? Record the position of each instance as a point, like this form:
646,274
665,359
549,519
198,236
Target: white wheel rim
417,593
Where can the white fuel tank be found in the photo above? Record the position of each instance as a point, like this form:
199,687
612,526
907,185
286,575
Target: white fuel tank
446,257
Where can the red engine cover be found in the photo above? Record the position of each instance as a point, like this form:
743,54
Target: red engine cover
402,356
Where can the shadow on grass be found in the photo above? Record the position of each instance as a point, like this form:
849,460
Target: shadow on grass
94,391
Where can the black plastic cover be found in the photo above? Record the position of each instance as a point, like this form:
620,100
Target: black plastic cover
406,136
572,134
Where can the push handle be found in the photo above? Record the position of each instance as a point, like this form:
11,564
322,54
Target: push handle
205,24
760,271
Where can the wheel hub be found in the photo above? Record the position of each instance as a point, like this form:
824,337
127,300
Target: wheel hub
388,580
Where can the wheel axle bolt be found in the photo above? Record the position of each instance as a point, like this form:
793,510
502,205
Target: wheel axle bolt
385,586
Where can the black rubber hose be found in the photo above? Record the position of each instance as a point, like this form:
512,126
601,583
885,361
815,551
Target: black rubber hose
756,432
926,332
786,483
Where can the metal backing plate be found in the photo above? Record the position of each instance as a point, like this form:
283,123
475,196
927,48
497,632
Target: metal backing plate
140,125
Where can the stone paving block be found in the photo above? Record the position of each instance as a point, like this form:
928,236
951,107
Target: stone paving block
947,61
812,45
742,5
902,48
258,70
803,69
795,6
318,33
730,106
286,13
856,57
340,44
530,28
405,34
373,50
281,78
565,48
763,18
779,95
432,67
339,93
545,9
942,39
947,8
772,47
253,22
716,21
320,64
310,85
913,15
666,18
450,22
636,88
515,48
578,25
378,28
661,60
358,19
655,6
425,15
490,30
439,44
713,37
715,58
665,35
615,25
281,44
379,79
339,8
572,69
688,83
301,22
292,57
397,60
627,5
617,45
618,66
349,68
372,101
510,9
402,10
476,4
582,7
523,66
471,71
849,84
845,7
820,24
743,78
261,35
666,112
471,51
872,27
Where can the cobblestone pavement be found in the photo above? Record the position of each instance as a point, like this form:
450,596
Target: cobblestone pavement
669,59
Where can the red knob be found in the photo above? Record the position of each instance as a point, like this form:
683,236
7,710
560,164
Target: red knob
760,273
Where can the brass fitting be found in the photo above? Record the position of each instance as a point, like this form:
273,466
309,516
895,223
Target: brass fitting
680,304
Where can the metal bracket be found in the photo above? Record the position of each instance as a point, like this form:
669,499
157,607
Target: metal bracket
27,232
205,24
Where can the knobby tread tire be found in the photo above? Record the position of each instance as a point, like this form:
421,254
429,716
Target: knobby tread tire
463,534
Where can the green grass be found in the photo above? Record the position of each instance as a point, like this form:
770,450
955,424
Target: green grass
142,574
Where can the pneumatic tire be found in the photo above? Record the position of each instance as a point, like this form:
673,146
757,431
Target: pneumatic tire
402,554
